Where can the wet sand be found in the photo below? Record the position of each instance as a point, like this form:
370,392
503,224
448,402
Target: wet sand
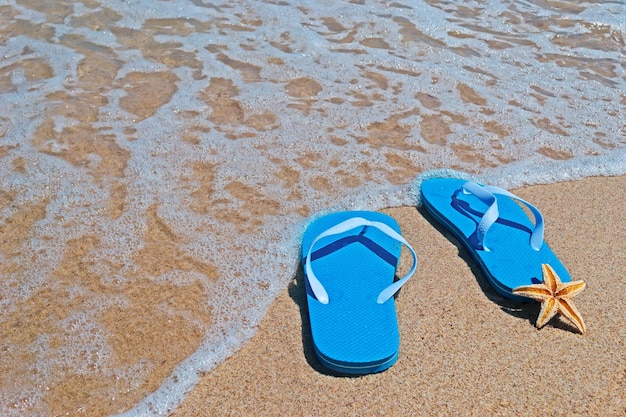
464,349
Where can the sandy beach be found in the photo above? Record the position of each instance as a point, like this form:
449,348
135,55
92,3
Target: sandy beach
464,349
156,161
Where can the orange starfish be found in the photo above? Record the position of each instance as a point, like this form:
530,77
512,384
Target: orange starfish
555,297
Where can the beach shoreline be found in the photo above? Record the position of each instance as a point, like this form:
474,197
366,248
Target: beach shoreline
158,165
464,349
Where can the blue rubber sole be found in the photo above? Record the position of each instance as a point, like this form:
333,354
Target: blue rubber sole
353,334
511,262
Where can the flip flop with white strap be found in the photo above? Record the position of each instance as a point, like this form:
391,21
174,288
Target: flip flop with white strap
496,231
350,259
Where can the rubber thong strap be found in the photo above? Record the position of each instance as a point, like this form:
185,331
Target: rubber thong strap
486,195
352,223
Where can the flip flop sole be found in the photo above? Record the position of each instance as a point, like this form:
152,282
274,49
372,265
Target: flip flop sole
353,334
510,261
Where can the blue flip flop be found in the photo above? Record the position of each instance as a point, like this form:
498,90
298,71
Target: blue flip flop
350,260
496,231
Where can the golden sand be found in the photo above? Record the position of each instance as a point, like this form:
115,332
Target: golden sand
464,349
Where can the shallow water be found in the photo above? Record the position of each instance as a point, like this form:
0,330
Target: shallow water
159,160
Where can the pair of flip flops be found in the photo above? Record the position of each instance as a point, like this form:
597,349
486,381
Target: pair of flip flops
350,260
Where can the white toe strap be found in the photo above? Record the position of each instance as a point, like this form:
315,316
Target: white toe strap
486,195
353,223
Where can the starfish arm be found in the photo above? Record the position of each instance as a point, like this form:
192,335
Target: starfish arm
548,310
537,292
550,278
569,310
571,289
